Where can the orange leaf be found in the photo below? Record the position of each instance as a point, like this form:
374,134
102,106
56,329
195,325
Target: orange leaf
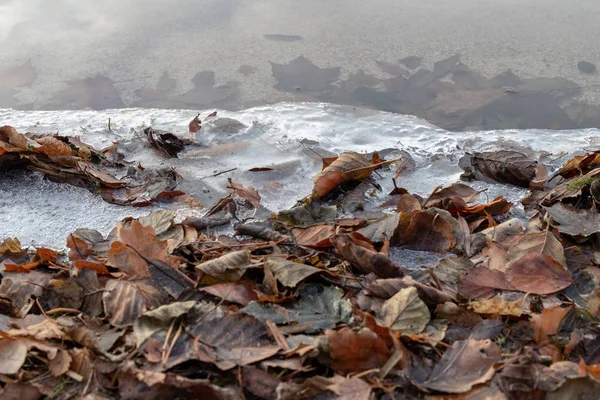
94,266
45,256
547,323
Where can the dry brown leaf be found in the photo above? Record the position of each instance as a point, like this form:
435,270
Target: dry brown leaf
125,301
405,312
428,232
235,292
227,268
539,274
469,362
316,236
349,166
350,388
143,240
290,273
353,351
482,283
365,260
538,242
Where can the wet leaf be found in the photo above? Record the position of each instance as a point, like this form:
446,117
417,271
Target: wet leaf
538,274
405,312
504,166
164,142
97,93
469,362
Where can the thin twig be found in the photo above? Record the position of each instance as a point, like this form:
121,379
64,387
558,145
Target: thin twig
218,173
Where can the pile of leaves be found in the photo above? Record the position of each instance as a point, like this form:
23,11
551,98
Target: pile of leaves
309,305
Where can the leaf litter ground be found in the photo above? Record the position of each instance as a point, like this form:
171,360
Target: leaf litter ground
307,303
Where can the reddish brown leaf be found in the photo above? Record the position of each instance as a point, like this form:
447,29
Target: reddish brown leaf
235,292
498,206
248,193
45,256
195,124
539,274
482,283
428,232
94,266
547,323
141,238
316,236
125,301
364,259
353,351
349,166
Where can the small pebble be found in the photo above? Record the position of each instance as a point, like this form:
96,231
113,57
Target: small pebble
586,67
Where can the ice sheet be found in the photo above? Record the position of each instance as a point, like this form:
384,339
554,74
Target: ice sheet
44,213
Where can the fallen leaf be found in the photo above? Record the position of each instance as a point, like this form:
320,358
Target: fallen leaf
248,193
234,339
350,388
469,362
134,241
12,356
290,273
504,166
235,292
483,283
349,166
316,236
125,301
353,351
428,232
572,221
538,274
319,307
365,260
60,363
405,312
498,306
91,265
538,242
547,323
227,268
166,143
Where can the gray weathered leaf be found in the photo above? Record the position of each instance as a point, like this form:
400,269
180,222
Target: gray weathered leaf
320,306
227,268
504,166
573,221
